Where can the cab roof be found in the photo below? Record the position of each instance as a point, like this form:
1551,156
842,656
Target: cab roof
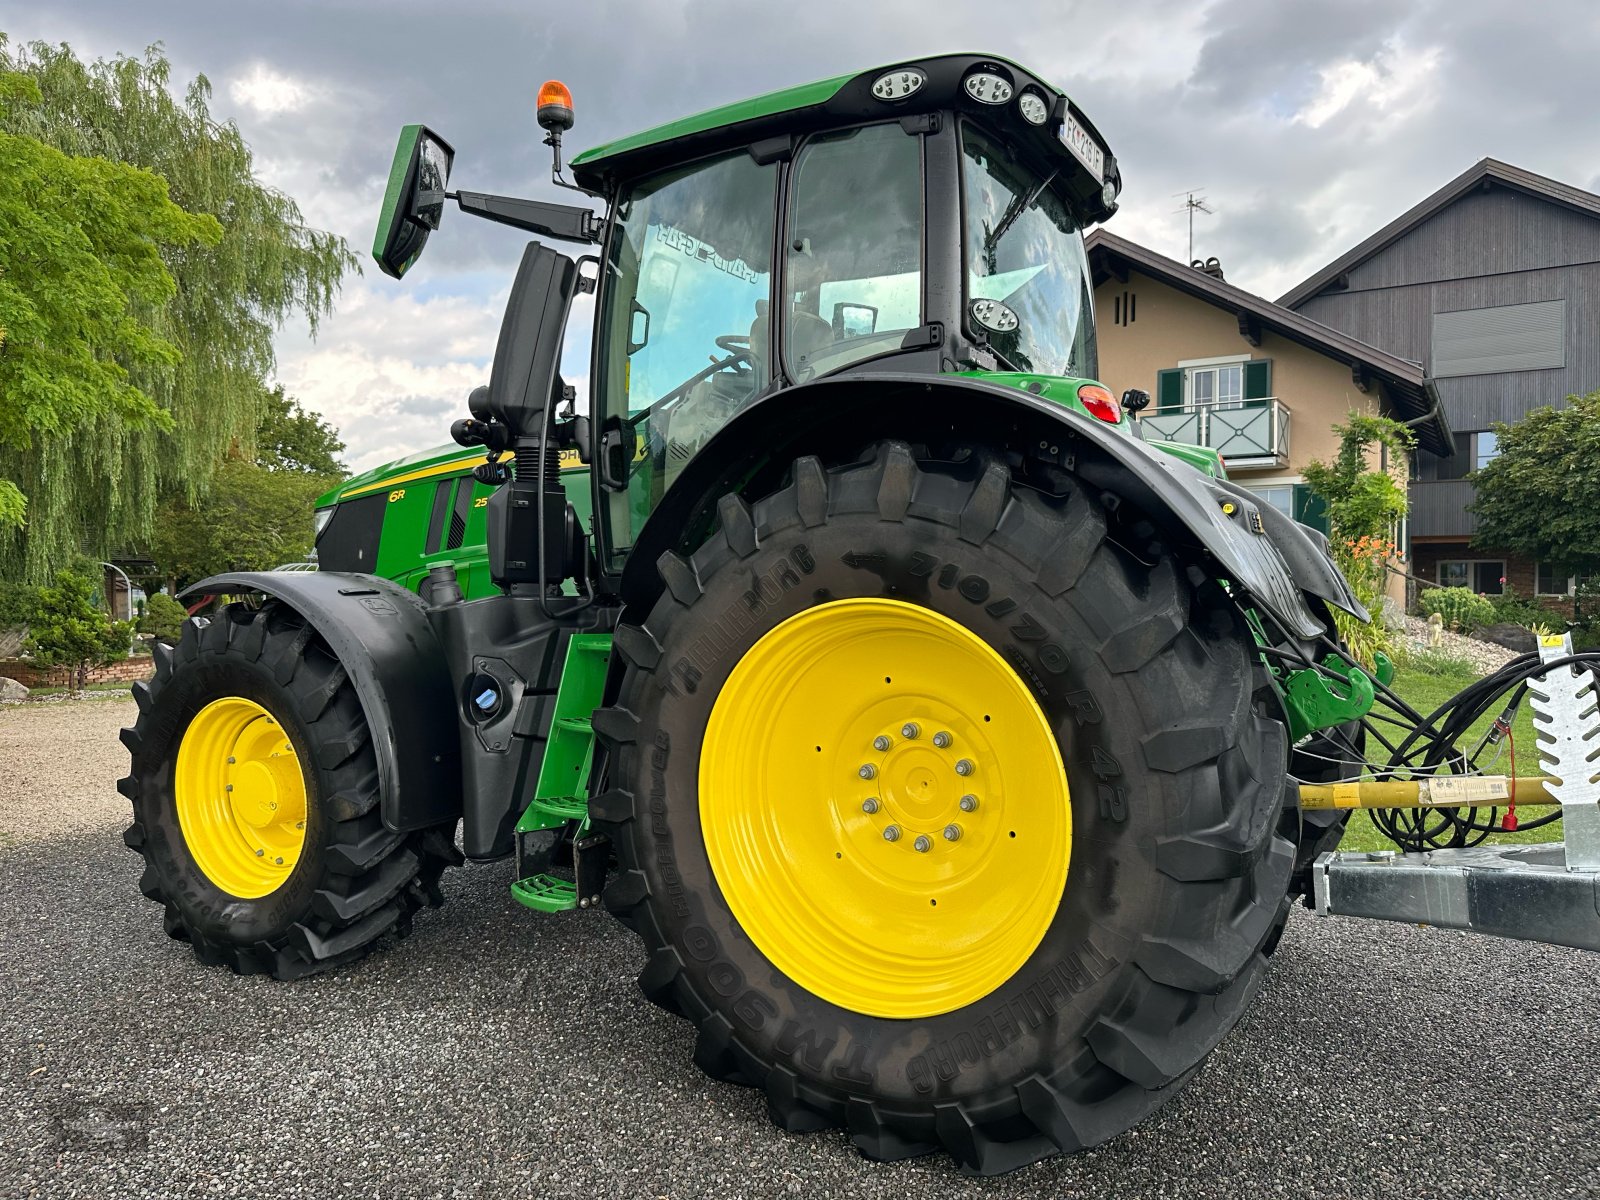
769,124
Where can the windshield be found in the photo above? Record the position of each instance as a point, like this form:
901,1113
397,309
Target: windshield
684,329
1023,249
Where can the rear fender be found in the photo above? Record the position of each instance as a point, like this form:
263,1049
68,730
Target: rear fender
1257,549
379,632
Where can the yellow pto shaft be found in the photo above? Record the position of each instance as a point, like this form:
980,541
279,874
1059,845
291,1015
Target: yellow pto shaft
1438,791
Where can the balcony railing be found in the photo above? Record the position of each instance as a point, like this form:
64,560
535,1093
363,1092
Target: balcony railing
1249,433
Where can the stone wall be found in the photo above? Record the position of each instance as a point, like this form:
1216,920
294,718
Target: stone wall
31,675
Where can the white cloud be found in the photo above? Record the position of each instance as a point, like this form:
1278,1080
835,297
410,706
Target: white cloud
271,93
391,370
1391,84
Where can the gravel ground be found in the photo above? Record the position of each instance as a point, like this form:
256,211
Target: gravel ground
497,1053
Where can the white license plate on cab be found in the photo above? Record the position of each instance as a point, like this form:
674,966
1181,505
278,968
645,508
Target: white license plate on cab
1083,147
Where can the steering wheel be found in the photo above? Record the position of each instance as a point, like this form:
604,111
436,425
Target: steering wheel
735,344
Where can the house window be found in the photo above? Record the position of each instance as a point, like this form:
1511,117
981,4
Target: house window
1485,449
1222,386
1124,308
1511,337
1551,581
1231,382
1487,577
1279,495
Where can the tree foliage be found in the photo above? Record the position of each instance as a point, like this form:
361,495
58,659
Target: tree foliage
1363,505
291,439
1362,502
81,272
257,513
163,617
218,321
1540,496
67,628
252,520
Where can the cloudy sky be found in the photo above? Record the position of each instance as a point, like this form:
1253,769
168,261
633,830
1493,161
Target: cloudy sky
1306,124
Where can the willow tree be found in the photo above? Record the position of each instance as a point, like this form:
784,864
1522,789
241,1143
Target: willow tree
267,268
81,274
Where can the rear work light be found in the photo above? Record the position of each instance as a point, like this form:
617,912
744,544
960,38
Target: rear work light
1101,404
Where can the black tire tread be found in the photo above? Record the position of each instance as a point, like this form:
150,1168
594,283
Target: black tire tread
375,878
1190,981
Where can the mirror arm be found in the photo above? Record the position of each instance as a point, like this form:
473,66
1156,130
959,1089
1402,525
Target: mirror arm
564,221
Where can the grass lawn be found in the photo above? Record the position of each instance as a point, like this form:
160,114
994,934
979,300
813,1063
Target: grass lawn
1425,692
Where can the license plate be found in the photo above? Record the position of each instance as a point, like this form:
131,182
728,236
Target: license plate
1076,138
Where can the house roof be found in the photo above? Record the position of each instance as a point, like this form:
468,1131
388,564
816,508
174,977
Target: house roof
1410,390
1488,170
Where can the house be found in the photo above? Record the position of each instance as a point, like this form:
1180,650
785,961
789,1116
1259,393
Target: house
1493,283
1261,384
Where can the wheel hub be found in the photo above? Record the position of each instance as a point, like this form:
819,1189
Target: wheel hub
885,808
241,797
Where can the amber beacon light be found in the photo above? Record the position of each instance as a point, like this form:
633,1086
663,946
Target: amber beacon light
555,105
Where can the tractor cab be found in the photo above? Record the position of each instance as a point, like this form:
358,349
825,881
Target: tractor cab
920,219
925,219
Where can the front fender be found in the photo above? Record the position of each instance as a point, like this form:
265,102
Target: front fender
1257,550
379,632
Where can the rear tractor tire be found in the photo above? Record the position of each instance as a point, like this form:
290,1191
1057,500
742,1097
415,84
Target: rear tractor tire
256,802
943,815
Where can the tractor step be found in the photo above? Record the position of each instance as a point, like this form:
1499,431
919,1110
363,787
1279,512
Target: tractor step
546,893
561,793
560,809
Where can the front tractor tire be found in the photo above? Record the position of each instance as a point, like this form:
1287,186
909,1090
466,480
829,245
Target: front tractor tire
944,815
256,801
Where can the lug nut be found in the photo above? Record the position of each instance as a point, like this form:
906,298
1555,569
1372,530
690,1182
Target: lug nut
867,771
870,804
231,760
279,861
910,729
964,767
941,739
923,843
969,802
892,834
881,742
952,833
260,853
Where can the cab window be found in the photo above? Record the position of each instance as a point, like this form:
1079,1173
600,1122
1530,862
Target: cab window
1024,249
683,343
853,256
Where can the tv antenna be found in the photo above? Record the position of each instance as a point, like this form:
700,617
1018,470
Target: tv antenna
1192,204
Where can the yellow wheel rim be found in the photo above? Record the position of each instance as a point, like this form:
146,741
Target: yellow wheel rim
241,797
885,809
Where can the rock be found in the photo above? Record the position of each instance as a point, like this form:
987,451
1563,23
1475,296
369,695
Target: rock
11,690
1392,614
1512,637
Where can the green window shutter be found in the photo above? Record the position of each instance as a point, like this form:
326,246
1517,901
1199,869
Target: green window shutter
1257,380
1169,389
1309,508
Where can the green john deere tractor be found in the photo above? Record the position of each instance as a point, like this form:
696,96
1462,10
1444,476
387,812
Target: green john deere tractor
852,648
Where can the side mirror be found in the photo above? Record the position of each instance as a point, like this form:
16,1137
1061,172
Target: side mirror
1135,400
854,320
413,203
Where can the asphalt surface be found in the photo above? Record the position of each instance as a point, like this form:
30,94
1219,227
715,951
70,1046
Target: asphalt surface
500,1053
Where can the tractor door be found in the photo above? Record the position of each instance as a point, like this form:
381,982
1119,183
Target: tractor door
686,337
683,338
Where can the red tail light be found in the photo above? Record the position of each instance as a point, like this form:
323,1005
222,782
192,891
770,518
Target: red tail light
1100,403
